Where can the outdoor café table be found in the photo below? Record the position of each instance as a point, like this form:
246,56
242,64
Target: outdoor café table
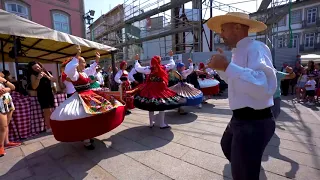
27,119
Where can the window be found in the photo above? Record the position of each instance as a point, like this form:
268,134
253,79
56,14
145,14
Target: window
296,16
61,22
309,40
282,22
281,42
311,15
295,41
18,9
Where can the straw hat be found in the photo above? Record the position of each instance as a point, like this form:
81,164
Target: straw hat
215,23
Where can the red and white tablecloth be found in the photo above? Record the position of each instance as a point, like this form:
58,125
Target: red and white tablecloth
28,118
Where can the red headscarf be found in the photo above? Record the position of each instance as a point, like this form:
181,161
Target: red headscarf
201,66
122,64
156,64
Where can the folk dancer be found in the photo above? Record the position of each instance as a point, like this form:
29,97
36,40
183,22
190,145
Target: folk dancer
122,78
135,77
65,83
87,113
252,82
209,86
154,94
186,90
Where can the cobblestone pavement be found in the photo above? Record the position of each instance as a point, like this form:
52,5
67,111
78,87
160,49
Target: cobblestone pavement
190,150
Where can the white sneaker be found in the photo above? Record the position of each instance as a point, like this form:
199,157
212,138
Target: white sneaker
49,130
200,106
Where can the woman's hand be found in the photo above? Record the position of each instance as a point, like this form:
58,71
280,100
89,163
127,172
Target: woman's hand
40,75
78,48
97,57
4,90
190,60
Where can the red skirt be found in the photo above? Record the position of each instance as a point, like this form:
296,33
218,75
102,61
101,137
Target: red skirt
156,96
70,121
318,92
214,90
126,97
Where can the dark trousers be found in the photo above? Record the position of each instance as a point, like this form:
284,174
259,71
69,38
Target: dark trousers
285,84
243,144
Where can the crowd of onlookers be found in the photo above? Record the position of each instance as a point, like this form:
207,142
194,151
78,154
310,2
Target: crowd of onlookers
306,85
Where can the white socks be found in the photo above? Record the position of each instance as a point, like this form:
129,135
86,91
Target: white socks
151,118
161,119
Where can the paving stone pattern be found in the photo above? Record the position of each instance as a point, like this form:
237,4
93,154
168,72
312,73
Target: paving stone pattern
189,151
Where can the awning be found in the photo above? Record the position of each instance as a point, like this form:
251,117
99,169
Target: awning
42,43
308,57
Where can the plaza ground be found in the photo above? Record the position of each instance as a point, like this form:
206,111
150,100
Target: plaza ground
189,151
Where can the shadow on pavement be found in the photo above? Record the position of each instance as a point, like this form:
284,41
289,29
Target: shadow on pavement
73,161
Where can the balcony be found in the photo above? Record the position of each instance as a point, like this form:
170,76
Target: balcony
316,47
315,24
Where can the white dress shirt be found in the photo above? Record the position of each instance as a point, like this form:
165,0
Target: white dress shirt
250,75
147,70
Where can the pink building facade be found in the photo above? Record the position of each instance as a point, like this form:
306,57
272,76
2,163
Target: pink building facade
62,15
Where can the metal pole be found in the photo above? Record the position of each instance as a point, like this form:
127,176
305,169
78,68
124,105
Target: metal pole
211,35
2,56
113,64
16,60
200,26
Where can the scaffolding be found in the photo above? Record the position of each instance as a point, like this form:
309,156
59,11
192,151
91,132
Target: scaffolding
271,12
172,24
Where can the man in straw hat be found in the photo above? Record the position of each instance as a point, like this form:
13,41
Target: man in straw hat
252,83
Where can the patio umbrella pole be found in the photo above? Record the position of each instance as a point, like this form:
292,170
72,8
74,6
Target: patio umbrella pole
16,59
113,64
2,56
18,79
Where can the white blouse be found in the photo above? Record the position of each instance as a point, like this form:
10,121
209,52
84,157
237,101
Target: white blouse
118,76
185,73
73,74
147,70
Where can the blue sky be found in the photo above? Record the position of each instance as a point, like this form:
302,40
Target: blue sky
103,6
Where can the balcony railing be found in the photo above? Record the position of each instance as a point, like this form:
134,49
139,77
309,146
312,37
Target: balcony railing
316,47
307,24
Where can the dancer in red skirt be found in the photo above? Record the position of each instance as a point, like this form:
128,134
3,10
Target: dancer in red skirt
208,86
87,113
122,78
154,94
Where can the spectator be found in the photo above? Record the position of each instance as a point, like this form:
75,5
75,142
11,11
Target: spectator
285,83
311,68
310,89
300,90
40,80
99,76
297,70
277,95
6,110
